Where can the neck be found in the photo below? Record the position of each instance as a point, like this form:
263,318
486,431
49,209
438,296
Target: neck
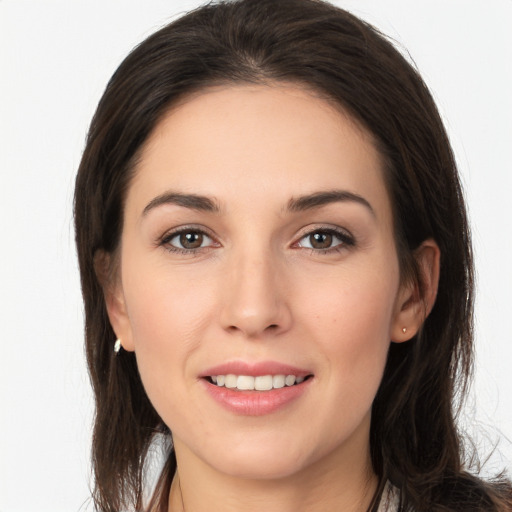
325,485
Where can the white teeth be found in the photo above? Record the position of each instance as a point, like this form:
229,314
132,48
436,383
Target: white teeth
290,380
230,381
278,381
245,382
263,383
259,383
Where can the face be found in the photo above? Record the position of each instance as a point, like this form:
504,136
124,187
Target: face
258,252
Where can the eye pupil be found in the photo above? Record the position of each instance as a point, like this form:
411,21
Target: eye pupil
191,240
321,240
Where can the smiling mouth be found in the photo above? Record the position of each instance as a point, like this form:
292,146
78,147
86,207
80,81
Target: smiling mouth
258,383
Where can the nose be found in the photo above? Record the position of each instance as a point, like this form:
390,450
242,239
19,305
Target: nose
256,302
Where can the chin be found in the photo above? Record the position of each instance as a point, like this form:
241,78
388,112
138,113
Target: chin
268,457
271,466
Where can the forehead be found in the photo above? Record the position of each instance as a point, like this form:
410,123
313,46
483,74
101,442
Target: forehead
258,143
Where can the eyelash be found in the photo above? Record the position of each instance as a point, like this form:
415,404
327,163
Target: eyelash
166,240
345,238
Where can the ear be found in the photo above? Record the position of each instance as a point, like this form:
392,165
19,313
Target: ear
108,274
416,298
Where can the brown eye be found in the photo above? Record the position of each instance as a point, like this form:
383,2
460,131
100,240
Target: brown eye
325,240
191,240
320,240
187,241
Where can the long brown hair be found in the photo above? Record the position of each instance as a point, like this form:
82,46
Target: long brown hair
414,440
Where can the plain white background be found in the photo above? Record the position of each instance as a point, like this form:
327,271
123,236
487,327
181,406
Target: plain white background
55,60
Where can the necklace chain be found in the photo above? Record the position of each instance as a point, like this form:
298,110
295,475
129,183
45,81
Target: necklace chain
181,495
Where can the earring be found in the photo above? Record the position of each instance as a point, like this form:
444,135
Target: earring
404,330
117,346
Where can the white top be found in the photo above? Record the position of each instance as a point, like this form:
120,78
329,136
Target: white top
390,499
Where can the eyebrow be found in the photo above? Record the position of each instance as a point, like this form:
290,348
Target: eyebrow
295,204
193,201
319,199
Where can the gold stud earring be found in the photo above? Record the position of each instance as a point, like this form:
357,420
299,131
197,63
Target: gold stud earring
117,346
404,330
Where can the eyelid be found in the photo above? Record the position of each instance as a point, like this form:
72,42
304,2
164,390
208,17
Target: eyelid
165,239
346,238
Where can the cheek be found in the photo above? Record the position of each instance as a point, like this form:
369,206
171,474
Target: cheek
167,317
351,320
353,305
163,305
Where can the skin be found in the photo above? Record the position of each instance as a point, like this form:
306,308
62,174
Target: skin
255,290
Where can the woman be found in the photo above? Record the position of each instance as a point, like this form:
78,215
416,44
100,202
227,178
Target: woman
276,270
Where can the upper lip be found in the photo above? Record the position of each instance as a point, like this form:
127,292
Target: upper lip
254,369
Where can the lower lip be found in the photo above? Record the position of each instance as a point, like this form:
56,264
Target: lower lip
256,403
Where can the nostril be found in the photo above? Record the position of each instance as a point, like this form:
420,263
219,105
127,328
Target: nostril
269,328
